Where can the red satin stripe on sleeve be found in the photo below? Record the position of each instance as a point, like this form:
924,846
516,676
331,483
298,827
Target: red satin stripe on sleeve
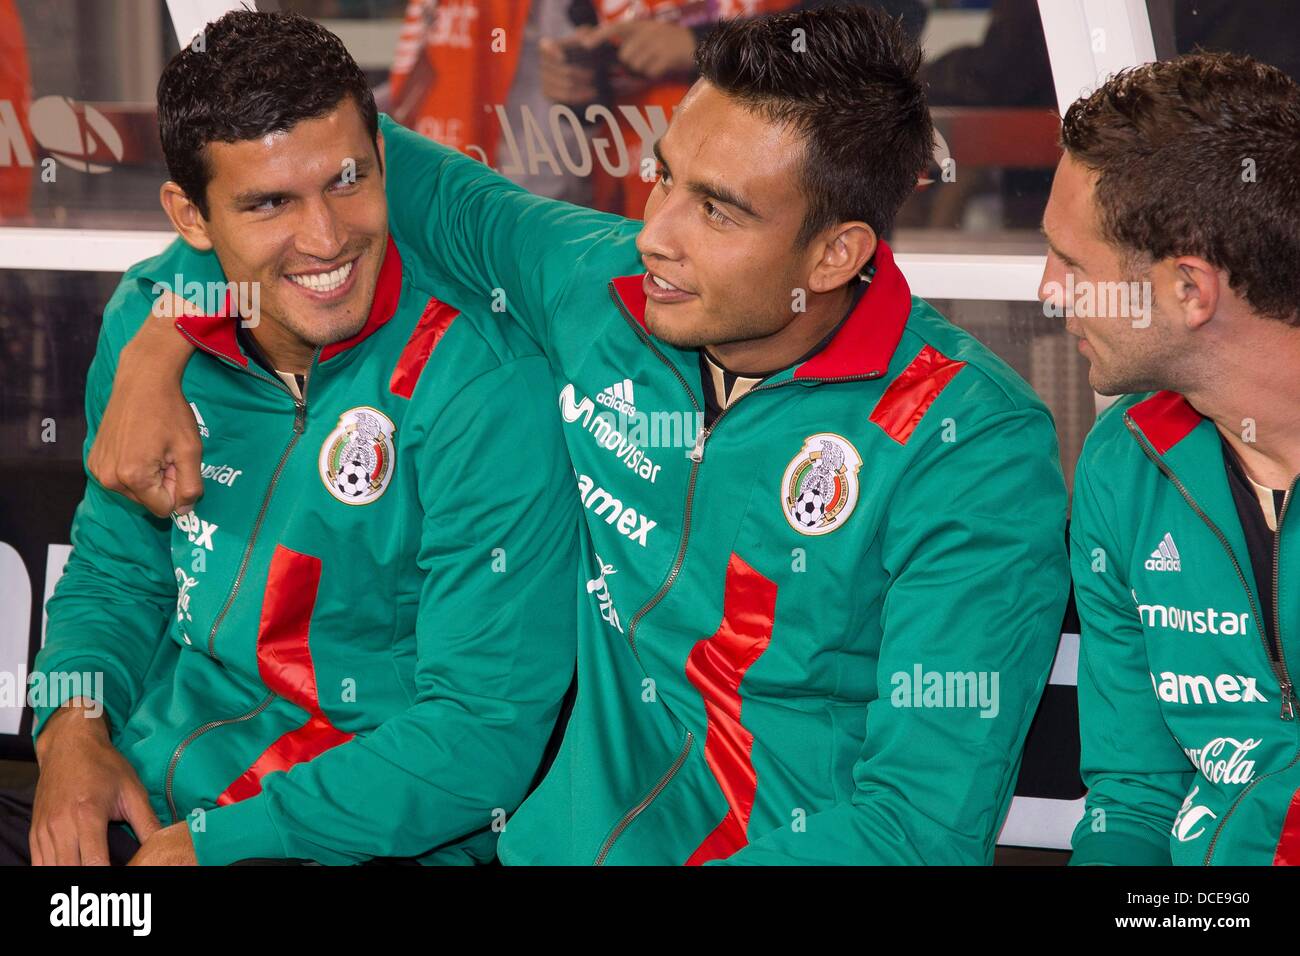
910,396
716,666
283,652
284,661
429,330
1288,844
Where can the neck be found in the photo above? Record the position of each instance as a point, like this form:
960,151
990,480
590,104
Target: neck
1253,396
286,351
781,348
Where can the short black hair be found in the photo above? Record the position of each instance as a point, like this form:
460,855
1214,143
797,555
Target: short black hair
847,79
1199,156
252,73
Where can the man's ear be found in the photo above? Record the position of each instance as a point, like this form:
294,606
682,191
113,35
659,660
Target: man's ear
185,216
379,151
1197,289
845,252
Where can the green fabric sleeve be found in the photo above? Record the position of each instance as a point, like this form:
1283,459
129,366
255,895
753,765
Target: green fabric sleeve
1135,772
515,253
111,608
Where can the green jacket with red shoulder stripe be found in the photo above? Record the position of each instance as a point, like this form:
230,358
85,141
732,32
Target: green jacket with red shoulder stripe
357,644
1187,713
815,632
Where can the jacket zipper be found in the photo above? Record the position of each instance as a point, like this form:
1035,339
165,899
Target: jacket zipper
1278,661
697,458
1286,708
648,799
1277,585
194,735
299,421
299,426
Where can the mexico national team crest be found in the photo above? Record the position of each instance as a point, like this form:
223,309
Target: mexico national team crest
820,487
356,460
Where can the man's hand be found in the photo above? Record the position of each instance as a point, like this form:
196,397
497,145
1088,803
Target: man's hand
653,48
84,783
648,49
147,446
170,846
563,79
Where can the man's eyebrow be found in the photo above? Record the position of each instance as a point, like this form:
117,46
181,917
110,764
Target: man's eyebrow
712,190
659,155
255,197
723,194
364,164
1051,245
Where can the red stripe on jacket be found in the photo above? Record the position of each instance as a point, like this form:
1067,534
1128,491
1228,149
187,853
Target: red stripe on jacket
433,324
716,666
1166,418
910,396
1288,844
284,661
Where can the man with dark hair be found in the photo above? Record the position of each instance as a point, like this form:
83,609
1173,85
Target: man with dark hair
356,646
1174,232
827,566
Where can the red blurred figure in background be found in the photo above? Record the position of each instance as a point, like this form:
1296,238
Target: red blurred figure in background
15,100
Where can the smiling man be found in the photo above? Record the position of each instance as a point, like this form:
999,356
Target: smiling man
357,645
822,518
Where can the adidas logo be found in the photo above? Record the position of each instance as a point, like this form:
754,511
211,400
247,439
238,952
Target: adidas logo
1165,557
619,397
198,419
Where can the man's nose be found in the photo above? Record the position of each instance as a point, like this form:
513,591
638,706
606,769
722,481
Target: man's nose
1051,285
659,237
320,233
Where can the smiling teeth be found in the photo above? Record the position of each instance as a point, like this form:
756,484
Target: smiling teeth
325,281
664,285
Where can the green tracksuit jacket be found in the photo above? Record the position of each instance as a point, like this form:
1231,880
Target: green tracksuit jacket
776,612
358,642
768,606
1190,743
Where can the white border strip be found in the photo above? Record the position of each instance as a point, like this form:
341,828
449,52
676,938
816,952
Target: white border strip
1088,40
1040,822
191,16
78,250
934,275
930,275
1065,667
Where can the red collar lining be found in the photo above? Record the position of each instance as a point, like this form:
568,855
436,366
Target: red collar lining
214,333
1166,418
865,342
388,290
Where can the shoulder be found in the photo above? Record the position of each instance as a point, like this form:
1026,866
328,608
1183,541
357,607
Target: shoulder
141,285
457,330
981,377
1109,443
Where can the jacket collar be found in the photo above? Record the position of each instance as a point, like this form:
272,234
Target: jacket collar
216,333
1165,419
1190,452
865,342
